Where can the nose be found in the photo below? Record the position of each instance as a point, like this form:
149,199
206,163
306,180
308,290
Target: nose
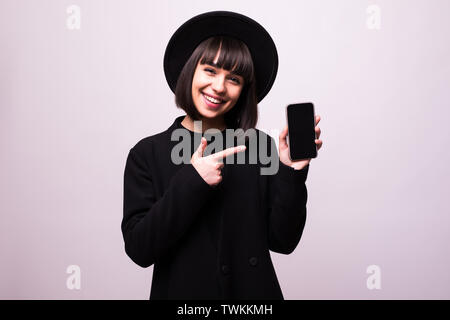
218,84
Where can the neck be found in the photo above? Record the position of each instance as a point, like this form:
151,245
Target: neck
216,123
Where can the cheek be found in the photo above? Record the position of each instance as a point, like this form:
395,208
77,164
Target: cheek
237,94
199,79
196,86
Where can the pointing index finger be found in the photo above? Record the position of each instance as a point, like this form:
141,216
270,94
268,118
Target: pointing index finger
227,152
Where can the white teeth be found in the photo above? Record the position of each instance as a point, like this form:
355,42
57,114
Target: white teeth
212,99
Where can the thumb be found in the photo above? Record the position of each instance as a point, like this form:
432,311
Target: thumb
282,138
201,148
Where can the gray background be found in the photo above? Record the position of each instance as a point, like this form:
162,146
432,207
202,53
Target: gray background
73,102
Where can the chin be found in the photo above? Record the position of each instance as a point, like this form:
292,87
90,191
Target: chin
209,114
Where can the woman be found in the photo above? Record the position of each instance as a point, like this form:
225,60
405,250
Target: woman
207,225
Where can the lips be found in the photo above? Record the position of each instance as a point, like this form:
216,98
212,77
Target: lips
213,99
211,105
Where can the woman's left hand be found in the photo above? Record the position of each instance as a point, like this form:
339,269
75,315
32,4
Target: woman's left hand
283,148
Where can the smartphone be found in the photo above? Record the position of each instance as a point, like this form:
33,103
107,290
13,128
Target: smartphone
301,122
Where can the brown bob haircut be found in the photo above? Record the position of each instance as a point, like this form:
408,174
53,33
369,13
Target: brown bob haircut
233,52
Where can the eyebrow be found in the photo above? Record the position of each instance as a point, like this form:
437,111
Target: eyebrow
212,64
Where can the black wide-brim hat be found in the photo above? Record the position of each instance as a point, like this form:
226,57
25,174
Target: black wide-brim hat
216,23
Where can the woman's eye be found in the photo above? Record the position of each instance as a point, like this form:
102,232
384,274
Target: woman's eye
212,71
235,80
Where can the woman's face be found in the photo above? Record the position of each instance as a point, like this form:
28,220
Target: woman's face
215,91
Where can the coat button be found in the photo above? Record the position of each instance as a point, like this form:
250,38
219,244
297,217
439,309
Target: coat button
253,261
225,269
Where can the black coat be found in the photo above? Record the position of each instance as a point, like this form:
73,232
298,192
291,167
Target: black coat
209,242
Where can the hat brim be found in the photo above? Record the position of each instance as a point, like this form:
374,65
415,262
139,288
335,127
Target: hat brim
189,35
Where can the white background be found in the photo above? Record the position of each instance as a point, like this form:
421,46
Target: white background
73,102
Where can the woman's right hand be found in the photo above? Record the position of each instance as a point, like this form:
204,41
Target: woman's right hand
210,167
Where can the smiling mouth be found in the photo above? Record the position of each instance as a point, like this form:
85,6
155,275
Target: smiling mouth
213,100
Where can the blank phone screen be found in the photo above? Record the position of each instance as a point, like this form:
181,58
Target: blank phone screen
301,124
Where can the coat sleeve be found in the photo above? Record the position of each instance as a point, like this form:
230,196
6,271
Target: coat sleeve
287,207
150,227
